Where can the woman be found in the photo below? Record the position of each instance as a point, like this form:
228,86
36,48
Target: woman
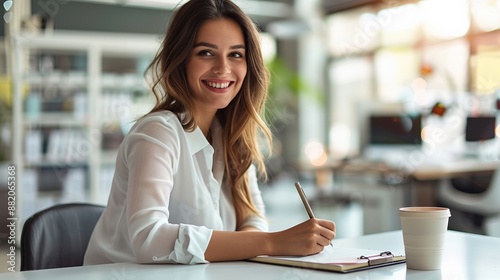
185,187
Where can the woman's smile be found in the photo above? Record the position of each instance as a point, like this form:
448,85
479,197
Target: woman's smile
218,85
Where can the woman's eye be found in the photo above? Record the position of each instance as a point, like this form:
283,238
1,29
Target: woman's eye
204,53
237,55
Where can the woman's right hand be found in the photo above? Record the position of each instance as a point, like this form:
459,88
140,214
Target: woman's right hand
307,238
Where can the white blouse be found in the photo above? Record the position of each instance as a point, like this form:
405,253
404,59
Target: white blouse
167,196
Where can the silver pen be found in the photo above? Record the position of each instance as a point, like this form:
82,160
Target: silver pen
305,202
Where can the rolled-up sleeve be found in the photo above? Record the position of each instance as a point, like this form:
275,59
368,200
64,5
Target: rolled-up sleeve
191,245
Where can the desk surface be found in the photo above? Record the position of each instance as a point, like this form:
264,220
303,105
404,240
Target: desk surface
454,168
420,170
468,256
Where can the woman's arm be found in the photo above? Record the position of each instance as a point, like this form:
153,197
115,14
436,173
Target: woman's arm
152,152
252,240
307,238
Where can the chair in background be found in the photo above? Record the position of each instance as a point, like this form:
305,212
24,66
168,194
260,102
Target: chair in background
58,236
477,198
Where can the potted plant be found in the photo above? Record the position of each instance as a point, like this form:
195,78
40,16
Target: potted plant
286,86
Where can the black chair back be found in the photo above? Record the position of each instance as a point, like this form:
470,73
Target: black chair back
58,236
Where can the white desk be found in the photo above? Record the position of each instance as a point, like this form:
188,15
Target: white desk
453,168
468,257
419,174
425,170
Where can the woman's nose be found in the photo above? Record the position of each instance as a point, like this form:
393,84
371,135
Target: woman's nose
221,67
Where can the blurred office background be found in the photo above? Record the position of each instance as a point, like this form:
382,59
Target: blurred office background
374,105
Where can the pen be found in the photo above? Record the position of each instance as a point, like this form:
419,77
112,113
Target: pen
305,202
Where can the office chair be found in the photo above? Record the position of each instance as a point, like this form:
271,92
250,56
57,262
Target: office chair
58,236
483,204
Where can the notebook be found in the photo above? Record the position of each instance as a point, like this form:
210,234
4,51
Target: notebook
335,259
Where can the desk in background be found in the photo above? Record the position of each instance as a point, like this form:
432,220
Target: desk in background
468,256
413,177
380,187
426,170
443,170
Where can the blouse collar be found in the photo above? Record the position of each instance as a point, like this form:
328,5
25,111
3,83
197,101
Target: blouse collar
198,141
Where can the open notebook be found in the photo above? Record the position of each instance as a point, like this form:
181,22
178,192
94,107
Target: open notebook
337,259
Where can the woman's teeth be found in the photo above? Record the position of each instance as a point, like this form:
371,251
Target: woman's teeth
218,85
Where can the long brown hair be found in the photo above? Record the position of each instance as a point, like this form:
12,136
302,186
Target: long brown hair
241,119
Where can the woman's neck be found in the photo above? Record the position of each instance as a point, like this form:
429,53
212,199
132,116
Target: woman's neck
204,117
204,123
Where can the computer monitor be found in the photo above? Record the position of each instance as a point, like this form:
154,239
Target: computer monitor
400,129
480,128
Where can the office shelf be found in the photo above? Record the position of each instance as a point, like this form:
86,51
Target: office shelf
54,119
72,93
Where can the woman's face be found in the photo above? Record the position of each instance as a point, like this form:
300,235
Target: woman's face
217,65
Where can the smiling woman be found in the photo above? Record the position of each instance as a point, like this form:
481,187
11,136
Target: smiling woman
185,188
216,68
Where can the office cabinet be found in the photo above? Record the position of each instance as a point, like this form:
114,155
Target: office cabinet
75,95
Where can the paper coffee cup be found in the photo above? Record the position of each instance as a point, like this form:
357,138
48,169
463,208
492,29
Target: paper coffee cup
424,232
